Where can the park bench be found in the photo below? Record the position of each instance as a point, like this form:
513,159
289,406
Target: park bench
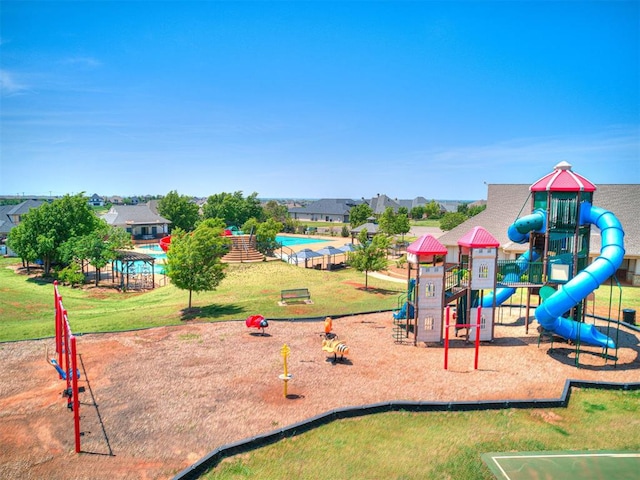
295,294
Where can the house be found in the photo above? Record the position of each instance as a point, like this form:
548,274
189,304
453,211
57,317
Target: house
325,210
506,203
380,203
11,216
337,209
96,200
139,220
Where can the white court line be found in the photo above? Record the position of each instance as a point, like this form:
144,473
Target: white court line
561,455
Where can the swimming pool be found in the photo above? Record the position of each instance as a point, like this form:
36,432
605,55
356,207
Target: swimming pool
294,241
143,268
151,249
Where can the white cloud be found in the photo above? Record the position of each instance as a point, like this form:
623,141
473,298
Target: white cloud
9,85
82,61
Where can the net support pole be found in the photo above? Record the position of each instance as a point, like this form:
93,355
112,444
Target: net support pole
446,340
478,319
75,392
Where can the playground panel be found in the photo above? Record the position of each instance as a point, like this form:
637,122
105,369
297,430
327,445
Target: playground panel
563,465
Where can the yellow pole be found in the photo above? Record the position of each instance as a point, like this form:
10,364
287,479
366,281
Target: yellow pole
285,378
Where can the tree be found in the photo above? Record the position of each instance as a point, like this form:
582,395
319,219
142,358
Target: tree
44,230
417,212
476,209
393,223
266,236
182,212
234,209
403,225
463,208
100,246
370,255
359,214
272,209
387,221
193,260
450,220
432,210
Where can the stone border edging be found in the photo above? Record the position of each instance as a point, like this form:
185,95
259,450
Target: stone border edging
213,458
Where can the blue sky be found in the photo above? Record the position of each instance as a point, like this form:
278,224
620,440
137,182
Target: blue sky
315,99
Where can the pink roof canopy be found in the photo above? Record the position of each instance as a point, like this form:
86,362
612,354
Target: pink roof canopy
478,237
562,179
427,245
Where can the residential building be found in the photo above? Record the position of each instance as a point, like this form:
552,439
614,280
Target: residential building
96,200
139,220
325,210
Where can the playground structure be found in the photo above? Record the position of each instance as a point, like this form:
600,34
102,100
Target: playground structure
555,268
67,362
433,285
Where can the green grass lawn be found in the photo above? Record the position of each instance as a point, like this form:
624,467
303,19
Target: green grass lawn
26,304
442,445
426,223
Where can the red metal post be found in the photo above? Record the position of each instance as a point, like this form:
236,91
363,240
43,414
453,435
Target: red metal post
76,401
475,364
67,353
446,341
58,317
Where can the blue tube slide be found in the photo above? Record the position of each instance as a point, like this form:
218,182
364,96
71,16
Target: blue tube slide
579,287
402,313
518,232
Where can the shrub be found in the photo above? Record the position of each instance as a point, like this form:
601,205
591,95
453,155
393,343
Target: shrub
71,275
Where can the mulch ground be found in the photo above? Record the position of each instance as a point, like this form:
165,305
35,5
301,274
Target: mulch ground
156,401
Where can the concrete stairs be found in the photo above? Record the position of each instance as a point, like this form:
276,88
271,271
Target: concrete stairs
243,249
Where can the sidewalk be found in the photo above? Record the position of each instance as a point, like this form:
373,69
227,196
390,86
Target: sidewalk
387,277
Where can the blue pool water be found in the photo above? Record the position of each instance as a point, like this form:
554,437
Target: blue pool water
144,268
292,241
152,249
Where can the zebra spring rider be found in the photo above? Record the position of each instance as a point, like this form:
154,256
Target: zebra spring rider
332,344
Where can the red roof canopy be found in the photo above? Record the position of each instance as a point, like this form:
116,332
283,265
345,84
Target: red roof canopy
427,245
478,237
562,179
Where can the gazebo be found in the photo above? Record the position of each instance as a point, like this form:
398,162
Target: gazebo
135,269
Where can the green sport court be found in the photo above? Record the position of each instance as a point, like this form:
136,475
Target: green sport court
560,465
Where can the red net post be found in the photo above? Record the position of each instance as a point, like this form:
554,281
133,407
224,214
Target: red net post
446,341
479,316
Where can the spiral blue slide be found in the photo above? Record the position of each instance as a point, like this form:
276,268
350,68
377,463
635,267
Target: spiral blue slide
579,287
518,232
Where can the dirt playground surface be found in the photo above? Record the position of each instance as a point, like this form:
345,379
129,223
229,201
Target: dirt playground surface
155,401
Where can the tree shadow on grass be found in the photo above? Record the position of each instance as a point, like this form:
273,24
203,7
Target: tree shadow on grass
41,280
210,312
379,291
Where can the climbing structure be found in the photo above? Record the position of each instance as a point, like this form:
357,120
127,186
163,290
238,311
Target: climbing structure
478,255
421,311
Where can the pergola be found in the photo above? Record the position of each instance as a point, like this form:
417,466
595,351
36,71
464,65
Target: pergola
132,276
